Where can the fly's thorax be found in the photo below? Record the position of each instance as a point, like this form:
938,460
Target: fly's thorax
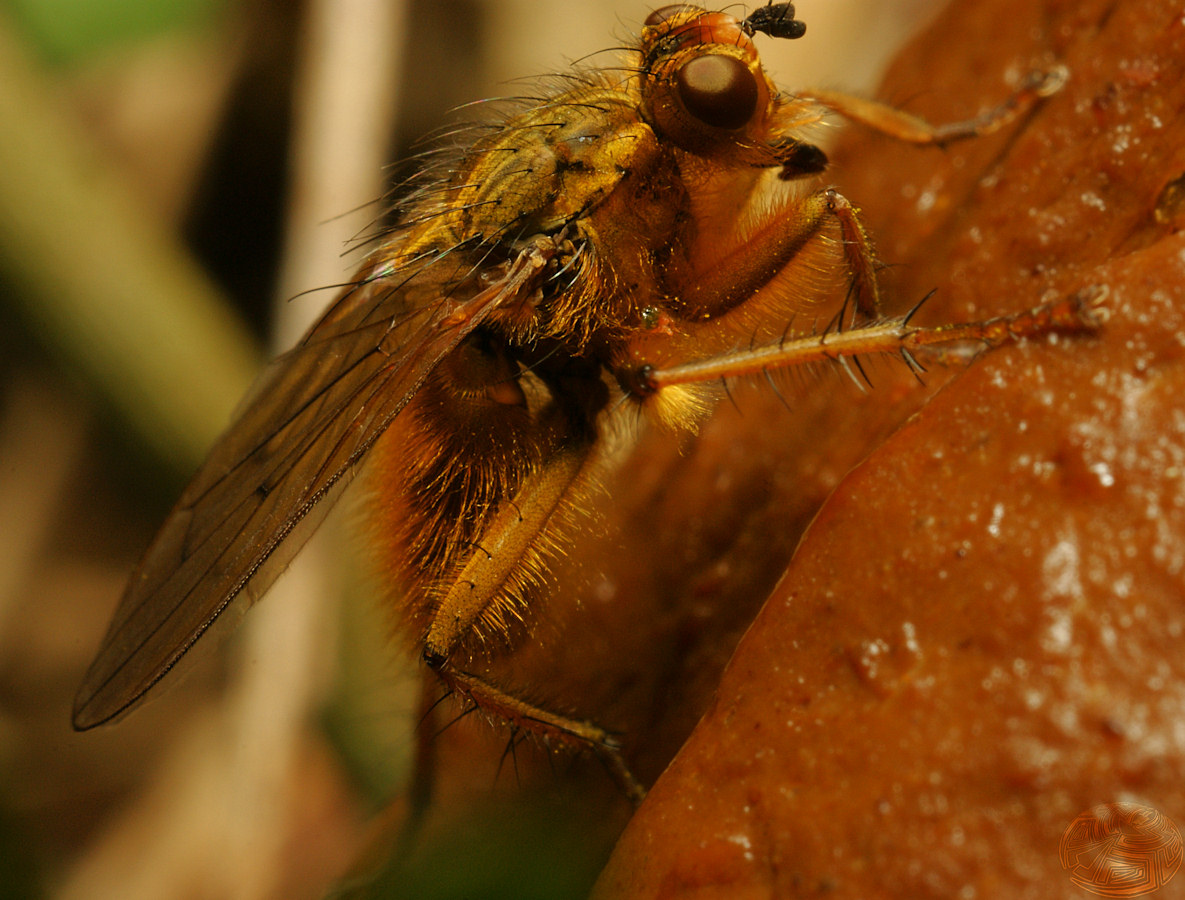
549,165
602,270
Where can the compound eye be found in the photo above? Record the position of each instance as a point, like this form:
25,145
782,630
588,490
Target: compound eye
663,13
718,90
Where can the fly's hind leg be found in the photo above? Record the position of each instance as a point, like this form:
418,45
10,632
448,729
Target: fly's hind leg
508,557
552,727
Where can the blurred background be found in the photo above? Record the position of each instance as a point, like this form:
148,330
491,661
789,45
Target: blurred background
177,178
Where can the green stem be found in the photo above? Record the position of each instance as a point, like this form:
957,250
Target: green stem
105,285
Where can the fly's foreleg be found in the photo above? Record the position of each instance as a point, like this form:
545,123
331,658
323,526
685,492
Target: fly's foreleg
906,127
857,253
773,248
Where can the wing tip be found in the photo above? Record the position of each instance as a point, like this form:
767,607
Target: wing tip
86,714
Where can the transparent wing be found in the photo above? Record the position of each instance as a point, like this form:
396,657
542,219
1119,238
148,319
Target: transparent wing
273,475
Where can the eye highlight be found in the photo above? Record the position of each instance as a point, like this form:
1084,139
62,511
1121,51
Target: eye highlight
718,90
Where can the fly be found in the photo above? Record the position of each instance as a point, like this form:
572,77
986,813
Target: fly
597,257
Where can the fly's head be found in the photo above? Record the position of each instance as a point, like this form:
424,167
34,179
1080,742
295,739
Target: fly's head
704,89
